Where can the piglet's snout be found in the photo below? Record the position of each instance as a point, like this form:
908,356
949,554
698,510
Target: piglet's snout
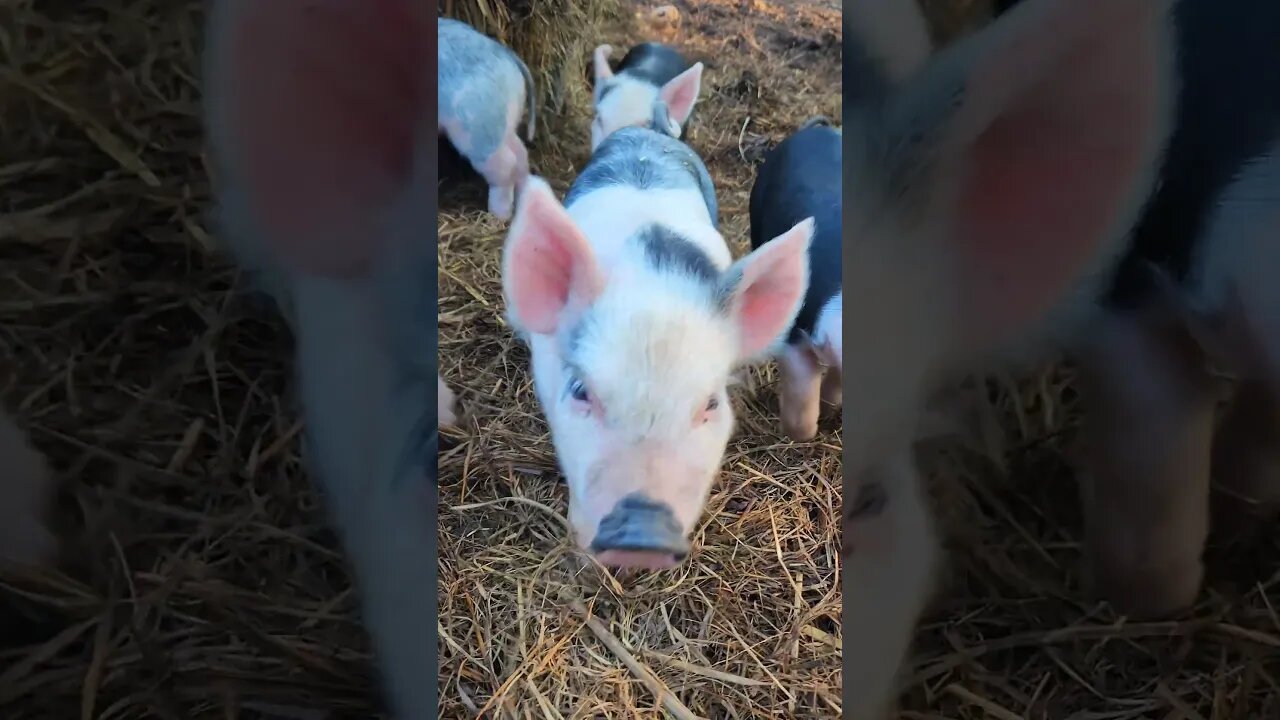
640,532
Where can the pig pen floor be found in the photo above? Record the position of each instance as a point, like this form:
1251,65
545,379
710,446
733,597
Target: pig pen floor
749,626
200,579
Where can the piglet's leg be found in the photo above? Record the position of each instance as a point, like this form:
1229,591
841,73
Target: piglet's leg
522,159
798,392
504,170
1246,451
889,560
1147,428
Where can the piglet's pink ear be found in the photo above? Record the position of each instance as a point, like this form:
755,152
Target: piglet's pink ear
315,108
1052,150
547,263
681,92
768,287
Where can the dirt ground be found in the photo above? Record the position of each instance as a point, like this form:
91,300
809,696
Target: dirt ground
749,627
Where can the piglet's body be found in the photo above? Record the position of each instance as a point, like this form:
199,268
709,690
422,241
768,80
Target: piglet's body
318,115
1097,175
636,314
483,89
649,74
800,178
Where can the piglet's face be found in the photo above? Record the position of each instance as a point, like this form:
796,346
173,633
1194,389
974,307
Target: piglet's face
622,101
631,371
636,398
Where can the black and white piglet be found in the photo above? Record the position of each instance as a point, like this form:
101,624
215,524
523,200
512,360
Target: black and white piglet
800,178
650,74
1099,176
636,315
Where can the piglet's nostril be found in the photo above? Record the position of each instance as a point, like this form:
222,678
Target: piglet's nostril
640,524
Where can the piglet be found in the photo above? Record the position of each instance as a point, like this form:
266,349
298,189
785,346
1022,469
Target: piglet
1059,180
26,493
636,313
318,118
483,88
801,178
649,73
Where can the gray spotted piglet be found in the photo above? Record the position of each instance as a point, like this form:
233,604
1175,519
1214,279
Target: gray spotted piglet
483,88
636,314
650,75
800,178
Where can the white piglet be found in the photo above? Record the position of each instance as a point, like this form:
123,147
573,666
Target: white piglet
636,314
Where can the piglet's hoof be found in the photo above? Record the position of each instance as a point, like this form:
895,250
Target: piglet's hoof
800,431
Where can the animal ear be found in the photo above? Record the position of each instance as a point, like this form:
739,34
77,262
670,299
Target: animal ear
767,288
315,108
1044,133
547,264
681,92
601,60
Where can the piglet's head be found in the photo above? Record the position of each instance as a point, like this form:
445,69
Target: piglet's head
996,182
625,102
632,367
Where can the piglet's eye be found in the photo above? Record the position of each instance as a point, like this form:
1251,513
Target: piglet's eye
713,403
579,391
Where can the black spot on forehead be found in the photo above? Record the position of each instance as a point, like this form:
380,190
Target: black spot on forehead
669,252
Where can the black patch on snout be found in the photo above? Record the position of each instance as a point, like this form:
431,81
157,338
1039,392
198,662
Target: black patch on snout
638,523
669,252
